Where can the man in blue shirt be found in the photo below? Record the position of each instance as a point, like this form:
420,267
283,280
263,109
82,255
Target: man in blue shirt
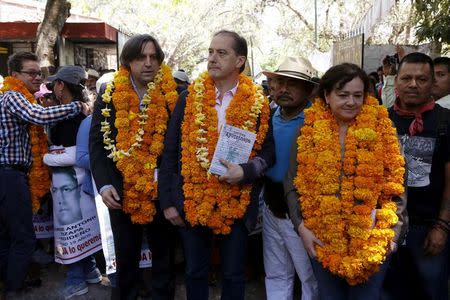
284,253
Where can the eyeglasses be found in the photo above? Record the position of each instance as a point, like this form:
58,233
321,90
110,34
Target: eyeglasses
65,190
32,74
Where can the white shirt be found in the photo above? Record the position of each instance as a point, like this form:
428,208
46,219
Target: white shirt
444,101
221,106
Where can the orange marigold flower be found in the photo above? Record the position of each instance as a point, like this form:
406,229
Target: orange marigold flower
208,201
38,177
355,232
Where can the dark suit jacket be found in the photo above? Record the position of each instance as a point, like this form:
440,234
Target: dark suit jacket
103,169
170,187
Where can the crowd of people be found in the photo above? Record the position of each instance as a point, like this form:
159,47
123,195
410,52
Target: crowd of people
350,173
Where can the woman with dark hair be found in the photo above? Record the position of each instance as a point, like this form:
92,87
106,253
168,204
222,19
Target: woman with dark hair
67,85
344,186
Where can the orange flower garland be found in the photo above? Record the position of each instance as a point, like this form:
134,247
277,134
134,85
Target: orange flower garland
209,202
348,203
38,177
140,137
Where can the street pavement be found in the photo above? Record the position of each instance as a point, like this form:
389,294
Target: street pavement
52,277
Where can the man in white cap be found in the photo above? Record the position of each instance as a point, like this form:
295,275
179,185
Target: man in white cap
93,76
182,80
284,253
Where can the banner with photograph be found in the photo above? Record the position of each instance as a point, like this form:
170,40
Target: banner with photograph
43,226
146,255
76,227
108,239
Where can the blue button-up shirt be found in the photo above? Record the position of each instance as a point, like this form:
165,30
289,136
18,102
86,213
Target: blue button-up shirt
284,134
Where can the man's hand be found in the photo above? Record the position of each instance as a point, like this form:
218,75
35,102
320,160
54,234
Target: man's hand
111,198
309,239
171,214
234,173
435,241
86,109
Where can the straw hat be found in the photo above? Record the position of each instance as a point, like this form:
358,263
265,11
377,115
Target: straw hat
299,68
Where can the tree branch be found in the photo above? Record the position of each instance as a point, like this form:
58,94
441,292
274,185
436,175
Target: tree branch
299,15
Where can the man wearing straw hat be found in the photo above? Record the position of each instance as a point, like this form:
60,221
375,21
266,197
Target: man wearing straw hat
284,253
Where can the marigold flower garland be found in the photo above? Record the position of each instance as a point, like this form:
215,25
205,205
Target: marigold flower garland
140,137
39,176
338,197
209,202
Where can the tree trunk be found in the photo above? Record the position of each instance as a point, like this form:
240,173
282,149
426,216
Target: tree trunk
56,14
435,49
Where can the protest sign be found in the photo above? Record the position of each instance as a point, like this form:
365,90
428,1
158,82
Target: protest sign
43,226
108,238
76,228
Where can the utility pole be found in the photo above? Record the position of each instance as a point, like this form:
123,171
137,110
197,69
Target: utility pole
316,38
251,51
316,41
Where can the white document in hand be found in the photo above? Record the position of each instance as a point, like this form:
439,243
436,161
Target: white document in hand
234,145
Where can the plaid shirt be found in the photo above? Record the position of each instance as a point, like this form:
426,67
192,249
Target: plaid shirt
15,114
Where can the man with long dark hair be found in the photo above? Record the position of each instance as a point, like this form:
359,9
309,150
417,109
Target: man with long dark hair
124,146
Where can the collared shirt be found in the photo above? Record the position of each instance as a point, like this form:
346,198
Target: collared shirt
444,101
284,134
137,92
15,114
221,106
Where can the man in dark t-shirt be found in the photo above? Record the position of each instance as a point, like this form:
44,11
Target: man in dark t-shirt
423,129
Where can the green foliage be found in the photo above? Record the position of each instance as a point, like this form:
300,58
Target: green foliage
182,27
433,20
274,29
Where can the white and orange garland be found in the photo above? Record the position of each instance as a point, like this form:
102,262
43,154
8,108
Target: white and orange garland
140,136
209,202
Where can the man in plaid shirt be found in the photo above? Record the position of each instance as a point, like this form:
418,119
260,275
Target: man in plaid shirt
17,238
